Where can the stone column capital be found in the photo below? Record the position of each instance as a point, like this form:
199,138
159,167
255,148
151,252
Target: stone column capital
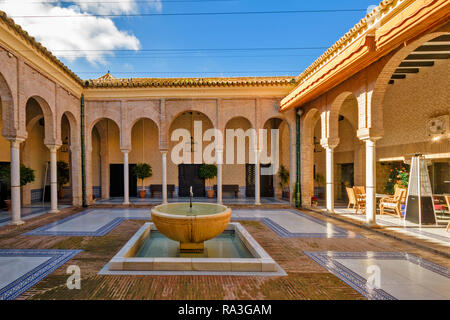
16,140
371,139
125,151
53,147
368,134
329,143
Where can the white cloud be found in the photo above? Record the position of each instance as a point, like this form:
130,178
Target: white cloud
74,37
115,7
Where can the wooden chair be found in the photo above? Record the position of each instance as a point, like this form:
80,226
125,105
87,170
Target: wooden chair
447,199
351,197
393,203
362,189
360,199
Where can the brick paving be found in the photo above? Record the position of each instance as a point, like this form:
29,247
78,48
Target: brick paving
306,279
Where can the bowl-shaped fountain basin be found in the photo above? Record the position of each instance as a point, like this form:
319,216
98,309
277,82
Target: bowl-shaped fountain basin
191,226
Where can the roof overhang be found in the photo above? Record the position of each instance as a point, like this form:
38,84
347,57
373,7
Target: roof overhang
393,23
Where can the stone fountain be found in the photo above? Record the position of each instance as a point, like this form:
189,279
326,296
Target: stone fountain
191,224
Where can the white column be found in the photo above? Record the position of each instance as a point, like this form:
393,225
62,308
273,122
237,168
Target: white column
371,203
126,183
164,175
219,175
330,178
292,165
257,179
15,182
53,179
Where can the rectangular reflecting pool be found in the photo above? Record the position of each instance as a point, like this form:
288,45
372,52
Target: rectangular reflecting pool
227,245
234,250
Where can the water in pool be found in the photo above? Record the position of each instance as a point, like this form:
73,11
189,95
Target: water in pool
227,245
198,209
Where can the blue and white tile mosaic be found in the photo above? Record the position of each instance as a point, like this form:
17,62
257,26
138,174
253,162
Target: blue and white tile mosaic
23,268
401,275
279,220
286,223
91,223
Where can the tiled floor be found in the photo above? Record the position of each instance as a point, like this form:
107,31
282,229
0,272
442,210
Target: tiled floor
286,223
21,269
228,201
93,222
300,242
392,275
28,212
293,224
437,234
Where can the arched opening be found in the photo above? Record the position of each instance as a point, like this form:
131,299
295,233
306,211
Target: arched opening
144,149
69,179
35,154
237,169
275,161
5,153
107,165
312,159
414,111
185,152
349,154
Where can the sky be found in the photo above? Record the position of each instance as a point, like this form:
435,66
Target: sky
149,38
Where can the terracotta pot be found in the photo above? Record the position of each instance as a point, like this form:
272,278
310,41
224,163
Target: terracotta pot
210,193
8,204
142,193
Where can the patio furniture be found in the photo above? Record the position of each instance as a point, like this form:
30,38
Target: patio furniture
447,200
394,203
361,189
360,199
157,188
229,188
351,197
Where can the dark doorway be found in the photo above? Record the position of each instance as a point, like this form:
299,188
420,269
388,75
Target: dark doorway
5,191
440,177
266,182
250,180
187,177
116,182
347,179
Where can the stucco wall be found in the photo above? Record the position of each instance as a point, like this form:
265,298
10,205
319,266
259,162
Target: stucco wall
408,104
5,154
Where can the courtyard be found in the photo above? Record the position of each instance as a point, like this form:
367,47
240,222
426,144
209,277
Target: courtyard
329,184
322,258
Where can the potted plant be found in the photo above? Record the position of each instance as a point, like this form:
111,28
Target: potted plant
63,174
26,176
314,201
142,171
398,177
208,172
283,175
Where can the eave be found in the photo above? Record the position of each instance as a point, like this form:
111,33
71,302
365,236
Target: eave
403,21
